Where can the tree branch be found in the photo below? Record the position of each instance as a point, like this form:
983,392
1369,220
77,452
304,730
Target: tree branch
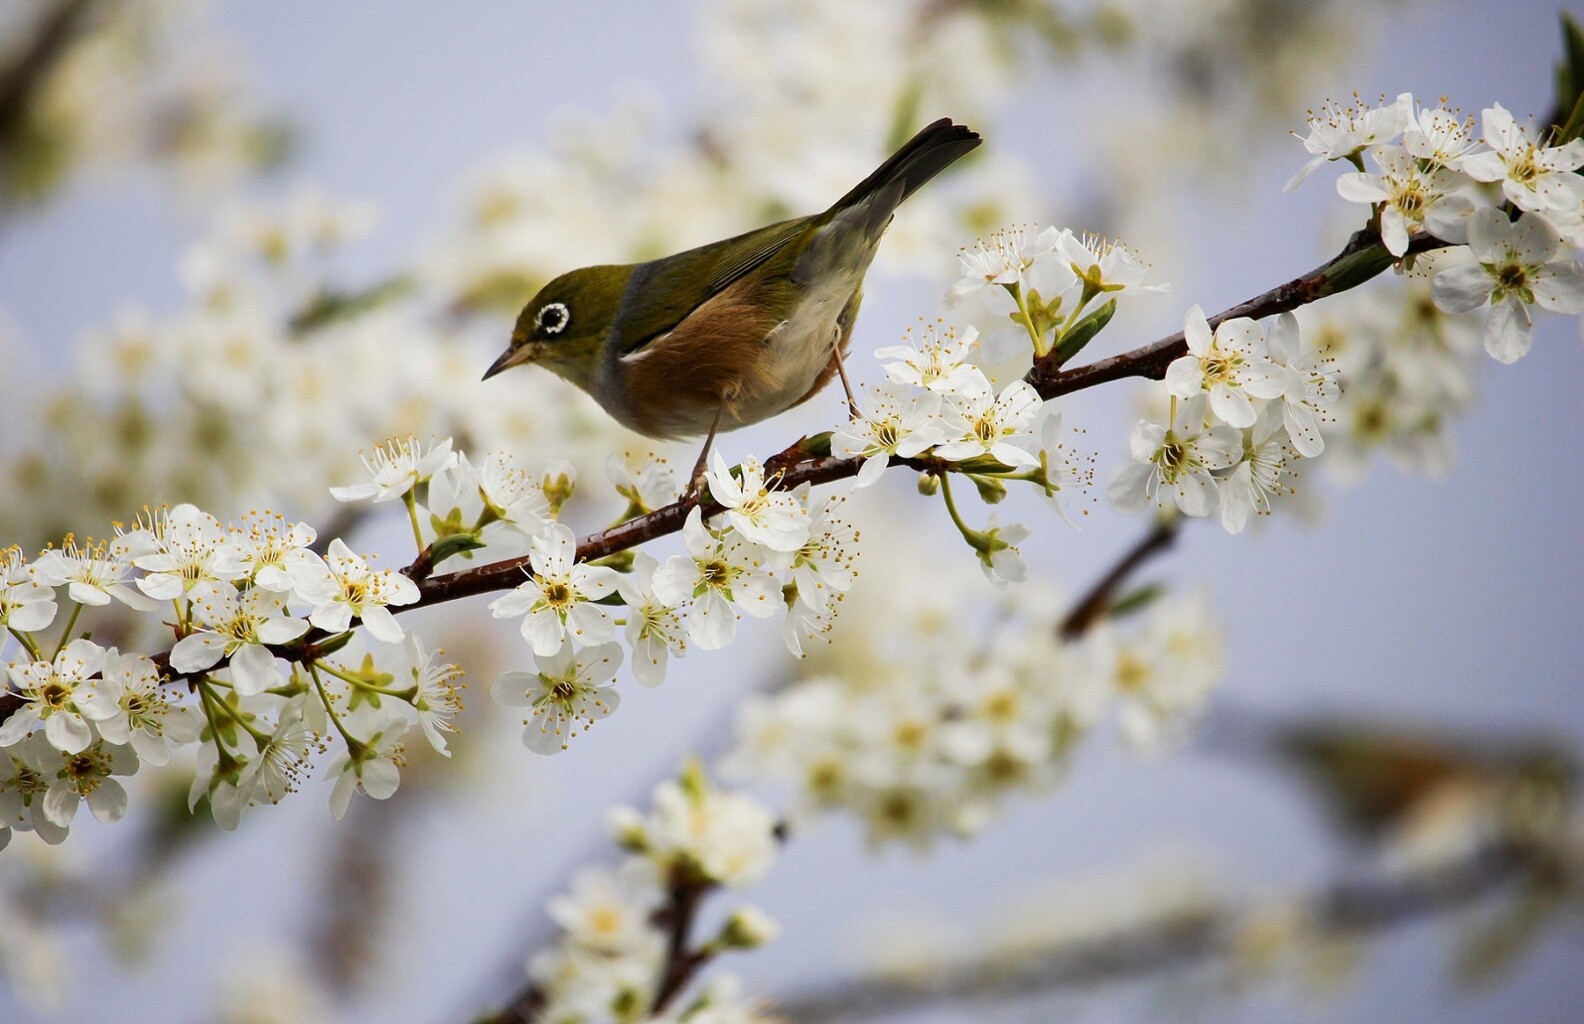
1341,909
1362,258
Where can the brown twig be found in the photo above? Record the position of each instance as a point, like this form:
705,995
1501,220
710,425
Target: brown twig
1094,605
1362,258
1339,910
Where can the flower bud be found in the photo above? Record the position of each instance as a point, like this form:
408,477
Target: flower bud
559,482
928,484
749,927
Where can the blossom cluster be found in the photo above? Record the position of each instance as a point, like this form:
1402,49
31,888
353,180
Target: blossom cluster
1243,408
263,630
934,736
610,960
1510,200
767,551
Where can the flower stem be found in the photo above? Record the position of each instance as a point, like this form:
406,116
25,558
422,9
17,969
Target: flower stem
1015,289
27,641
353,743
412,517
71,624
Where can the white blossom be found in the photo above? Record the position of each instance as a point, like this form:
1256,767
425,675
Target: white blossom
647,482
1518,264
239,627
777,519
938,362
570,686
27,604
93,574
609,911
268,551
189,546
1533,177
1104,265
1338,133
557,601
1413,197
1178,460
397,467
372,766
727,838
147,720
896,419
1309,390
1256,477
654,627
990,424
342,585
1230,365
85,775
720,573
1002,259
63,695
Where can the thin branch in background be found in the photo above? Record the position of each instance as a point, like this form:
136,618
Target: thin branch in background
1342,909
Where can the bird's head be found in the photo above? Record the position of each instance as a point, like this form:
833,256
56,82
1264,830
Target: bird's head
564,327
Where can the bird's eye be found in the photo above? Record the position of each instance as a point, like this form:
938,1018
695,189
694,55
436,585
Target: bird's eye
552,318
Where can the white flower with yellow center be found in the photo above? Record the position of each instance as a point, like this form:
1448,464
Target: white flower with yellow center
1518,265
1230,365
188,550
1177,461
62,694
1340,133
610,910
897,419
654,629
938,362
720,573
776,519
239,627
268,550
86,775
1413,198
1004,259
93,573
397,467
1533,177
148,720
988,424
27,604
342,585
570,686
556,602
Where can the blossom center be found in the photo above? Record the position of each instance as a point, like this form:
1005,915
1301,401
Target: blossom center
55,695
558,594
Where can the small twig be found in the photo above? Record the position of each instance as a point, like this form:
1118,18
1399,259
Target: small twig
1094,605
1341,909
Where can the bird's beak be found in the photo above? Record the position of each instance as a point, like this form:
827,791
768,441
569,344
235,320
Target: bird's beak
511,357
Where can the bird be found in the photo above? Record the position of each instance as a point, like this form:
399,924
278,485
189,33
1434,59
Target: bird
733,332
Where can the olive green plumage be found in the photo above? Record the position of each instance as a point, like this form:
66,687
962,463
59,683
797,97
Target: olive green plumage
732,332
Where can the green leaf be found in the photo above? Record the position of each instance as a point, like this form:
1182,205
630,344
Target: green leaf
1084,331
1570,82
1135,600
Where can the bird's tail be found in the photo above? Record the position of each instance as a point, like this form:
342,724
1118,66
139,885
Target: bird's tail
920,159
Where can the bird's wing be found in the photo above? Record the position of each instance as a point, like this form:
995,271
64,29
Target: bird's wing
662,293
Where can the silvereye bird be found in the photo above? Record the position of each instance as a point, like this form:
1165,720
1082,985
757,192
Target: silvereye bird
729,333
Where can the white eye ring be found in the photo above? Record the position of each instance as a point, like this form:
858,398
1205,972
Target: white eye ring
561,317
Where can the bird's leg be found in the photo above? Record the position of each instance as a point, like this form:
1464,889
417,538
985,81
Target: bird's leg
841,371
695,485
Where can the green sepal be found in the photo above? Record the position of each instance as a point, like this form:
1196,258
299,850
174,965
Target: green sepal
817,445
1354,269
452,544
1083,331
991,490
621,561
1135,600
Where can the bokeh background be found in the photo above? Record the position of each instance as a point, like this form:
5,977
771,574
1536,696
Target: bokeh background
1447,602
